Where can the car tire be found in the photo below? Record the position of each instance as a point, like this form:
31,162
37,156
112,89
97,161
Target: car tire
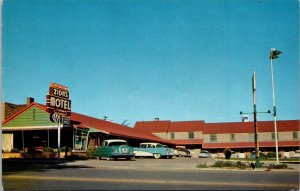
156,155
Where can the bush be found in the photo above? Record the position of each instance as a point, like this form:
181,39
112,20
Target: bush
92,153
63,149
223,164
227,153
277,166
227,164
15,150
271,154
48,149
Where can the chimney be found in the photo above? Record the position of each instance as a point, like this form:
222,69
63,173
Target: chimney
29,100
156,119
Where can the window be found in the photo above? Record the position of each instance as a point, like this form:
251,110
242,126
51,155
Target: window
273,136
213,138
251,136
232,137
191,135
172,135
295,135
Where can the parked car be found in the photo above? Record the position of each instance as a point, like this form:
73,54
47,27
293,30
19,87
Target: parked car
181,152
204,154
297,154
155,150
114,149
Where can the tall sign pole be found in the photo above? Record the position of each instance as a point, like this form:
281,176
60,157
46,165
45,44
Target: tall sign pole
58,104
58,139
273,55
257,164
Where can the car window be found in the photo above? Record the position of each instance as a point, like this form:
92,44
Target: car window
143,146
117,143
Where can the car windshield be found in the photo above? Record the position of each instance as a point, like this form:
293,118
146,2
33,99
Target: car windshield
117,143
204,151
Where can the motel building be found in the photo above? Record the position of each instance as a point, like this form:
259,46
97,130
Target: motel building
28,128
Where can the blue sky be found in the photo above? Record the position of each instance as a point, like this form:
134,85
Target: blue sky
137,60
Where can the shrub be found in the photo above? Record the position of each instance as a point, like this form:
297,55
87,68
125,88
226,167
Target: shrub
92,153
262,155
15,150
277,166
271,154
223,164
63,149
227,153
48,149
226,164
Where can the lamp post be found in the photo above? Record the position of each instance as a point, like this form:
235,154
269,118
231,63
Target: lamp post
273,55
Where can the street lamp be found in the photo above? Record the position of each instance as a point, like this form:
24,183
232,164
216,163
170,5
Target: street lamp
273,55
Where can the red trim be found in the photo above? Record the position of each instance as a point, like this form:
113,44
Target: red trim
188,142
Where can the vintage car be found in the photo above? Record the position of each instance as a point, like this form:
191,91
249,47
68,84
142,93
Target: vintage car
181,152
155,150
114,149
204,154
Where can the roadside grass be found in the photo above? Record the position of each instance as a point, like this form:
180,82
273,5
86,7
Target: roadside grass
262,159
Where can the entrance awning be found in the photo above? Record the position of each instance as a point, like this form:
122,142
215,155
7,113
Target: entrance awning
28,128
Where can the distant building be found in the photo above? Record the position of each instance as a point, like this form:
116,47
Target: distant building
238,136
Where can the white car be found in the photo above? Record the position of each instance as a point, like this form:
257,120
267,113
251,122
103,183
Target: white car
297,154
204,154
155,150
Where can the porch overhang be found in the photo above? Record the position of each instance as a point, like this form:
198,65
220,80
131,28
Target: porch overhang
29,128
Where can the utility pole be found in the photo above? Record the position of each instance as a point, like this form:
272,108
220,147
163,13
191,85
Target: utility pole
257,160
257,163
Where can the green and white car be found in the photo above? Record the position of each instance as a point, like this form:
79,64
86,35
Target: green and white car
114,149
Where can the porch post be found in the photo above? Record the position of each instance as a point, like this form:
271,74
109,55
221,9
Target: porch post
23,140
48,139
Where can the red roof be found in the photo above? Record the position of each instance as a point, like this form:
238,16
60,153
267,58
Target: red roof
250,144
248,127
114,128
168,126
101,125
153,126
